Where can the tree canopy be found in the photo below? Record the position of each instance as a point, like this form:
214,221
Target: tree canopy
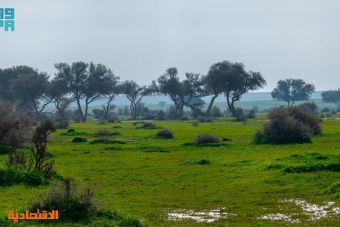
233,80
332,96
86,81
292,90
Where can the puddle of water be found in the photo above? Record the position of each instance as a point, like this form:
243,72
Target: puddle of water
199,216
314,211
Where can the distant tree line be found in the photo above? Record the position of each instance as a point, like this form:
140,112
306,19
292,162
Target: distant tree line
84,83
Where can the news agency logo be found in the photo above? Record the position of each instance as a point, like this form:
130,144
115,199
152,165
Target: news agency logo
7,19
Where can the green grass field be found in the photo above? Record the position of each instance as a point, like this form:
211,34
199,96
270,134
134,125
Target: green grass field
244,180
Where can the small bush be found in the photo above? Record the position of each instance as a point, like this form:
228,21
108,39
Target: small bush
161,115
135,123
148,125
207,138
203,162
102,132
122,218
79,139
251,114
73,132
239,114
195,123
165,133
149,116
16,174
325,110
205,119
216,112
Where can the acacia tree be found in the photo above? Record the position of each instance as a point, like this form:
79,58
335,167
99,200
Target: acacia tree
33,90
234,81
114,89
169,84
292,90
332,96
183,93
85,81
134,93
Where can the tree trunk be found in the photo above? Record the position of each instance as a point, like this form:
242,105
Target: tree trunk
207,114
80,110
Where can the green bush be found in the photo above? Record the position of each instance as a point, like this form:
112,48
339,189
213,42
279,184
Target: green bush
79,139
207,138
122,218
289,125
16,174
165,133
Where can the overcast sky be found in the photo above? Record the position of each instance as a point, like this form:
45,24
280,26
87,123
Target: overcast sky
140,39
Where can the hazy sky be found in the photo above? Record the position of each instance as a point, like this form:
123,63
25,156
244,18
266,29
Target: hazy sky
140,39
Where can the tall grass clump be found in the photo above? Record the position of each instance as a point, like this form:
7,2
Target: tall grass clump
289,125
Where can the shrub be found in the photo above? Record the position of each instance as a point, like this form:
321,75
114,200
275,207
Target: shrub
239,114
165,133
149,116
207,138
203,162
205,119
102,132
216,112
311,107
148,125
289,125
134,123
15,127
74,204
79,139
195,123
122,218
325,110
251,114
161,115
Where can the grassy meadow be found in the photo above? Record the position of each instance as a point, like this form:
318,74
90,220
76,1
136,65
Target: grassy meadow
148,177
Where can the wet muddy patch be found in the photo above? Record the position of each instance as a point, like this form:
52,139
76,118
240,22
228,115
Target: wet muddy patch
314,212
199,216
